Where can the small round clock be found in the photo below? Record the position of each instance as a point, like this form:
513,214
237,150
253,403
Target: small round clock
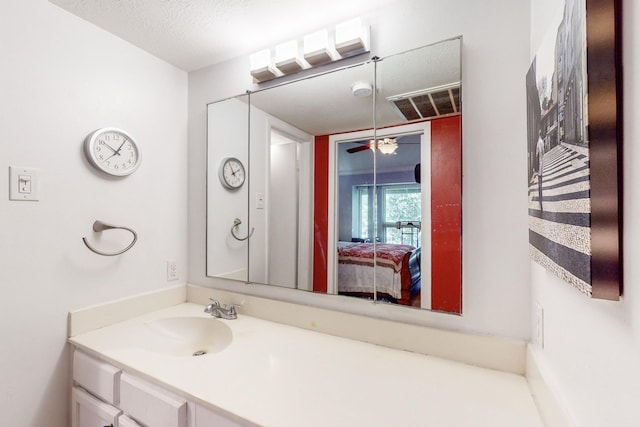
112,151
231,173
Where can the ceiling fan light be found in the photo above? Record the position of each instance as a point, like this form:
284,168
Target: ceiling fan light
387,146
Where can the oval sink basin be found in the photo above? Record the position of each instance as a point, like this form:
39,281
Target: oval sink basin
187,336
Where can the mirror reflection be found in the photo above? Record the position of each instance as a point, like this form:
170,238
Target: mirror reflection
227,136
380,215
328,209
287,125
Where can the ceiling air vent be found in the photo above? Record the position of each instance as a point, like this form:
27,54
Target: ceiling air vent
428,103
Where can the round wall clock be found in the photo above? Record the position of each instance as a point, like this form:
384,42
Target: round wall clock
231,173
112,151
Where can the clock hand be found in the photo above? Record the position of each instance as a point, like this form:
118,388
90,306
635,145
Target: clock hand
109,147
114,153
120,147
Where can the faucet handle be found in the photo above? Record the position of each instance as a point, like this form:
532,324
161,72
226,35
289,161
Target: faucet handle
214,303
232,309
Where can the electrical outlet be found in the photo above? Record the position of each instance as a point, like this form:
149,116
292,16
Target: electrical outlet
539,325
172,270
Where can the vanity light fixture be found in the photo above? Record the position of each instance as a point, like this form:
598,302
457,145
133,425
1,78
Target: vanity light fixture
352,38
347,39
288,59
317,49
261,66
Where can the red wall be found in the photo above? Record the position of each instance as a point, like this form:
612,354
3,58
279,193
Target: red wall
446,214
320,212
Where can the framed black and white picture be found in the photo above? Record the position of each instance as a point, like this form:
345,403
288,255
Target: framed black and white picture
574,140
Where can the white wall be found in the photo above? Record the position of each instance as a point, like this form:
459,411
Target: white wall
591,355
60,79
495,61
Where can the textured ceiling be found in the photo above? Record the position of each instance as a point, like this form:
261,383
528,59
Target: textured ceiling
192,34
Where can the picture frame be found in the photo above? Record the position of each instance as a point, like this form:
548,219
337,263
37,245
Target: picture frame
574,135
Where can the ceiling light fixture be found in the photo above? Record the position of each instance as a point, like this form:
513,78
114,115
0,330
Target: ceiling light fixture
386,146
361,89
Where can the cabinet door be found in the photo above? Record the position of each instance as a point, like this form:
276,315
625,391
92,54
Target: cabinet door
150,404
87,411
124,421
99,378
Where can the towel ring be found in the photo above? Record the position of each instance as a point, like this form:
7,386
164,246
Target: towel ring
236,223
99,226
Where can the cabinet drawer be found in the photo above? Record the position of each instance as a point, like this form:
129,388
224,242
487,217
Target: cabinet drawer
99,378
87,411
150,405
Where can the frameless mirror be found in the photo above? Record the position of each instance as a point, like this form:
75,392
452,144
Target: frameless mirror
227,137
325,209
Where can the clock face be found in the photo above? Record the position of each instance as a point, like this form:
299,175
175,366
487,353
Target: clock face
112,151
232,174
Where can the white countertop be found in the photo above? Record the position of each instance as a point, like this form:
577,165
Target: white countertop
277,375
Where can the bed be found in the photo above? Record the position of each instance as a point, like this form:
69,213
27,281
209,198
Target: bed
397,274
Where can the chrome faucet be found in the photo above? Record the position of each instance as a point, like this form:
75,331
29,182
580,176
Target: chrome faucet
222,311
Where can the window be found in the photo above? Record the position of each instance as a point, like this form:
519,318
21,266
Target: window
396,202
399,203
362,207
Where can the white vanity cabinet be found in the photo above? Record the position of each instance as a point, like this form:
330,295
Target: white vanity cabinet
150,404
87,411
105,396
124,421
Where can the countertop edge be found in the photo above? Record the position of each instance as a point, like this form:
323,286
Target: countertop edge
497,353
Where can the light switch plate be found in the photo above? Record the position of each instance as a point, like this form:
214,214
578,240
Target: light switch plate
259,200
24,183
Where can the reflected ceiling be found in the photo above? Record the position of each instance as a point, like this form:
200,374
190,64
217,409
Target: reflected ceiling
436,66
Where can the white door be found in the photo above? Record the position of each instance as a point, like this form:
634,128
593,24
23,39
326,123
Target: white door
283,215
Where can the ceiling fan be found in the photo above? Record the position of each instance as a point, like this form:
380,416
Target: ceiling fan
385,146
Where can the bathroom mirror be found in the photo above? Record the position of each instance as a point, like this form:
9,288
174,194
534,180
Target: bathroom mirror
303,144
227,137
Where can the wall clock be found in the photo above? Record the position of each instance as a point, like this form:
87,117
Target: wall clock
112,151
231,173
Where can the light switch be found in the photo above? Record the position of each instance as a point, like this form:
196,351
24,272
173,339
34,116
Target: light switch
259,201
24,183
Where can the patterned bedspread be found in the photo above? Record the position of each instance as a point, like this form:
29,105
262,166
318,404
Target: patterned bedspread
388,255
